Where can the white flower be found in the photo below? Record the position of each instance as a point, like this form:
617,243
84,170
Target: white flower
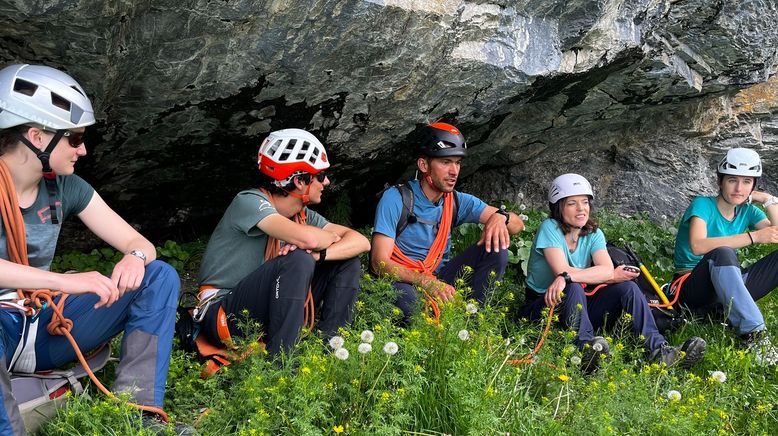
673,395
664,217
522,341
341,353
507,342
367,336
463,335
391,348
523,217
521,195
719,376
471,308
520,243
597,347
365,348
522,206
575,360
337,342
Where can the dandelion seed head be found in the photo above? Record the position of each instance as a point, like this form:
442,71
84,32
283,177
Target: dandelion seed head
719,376
341,353
471,308
391,348
463,335
575,360
364,348
337,342
367,336
673,395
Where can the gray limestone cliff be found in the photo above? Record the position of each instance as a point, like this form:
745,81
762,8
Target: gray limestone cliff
640,96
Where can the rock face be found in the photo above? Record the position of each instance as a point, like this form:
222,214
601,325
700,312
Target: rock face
640,96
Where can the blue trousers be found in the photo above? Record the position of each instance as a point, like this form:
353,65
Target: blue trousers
146,316
718,280
476,257
586,314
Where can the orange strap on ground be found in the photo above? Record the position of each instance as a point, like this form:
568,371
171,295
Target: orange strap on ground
529,357
435,253
40,298
675,288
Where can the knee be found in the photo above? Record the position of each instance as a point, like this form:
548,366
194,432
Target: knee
724,256
163,279
300,260
351,267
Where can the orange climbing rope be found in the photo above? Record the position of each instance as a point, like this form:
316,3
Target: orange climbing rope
40,299
435,253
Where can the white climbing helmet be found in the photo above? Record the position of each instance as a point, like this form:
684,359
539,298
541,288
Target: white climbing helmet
291,152
568,185
741,162
42,95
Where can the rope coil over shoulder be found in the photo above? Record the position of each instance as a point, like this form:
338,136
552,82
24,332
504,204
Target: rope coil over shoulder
40,299
435,253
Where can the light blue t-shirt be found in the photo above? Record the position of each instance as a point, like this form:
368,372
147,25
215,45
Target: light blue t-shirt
416,239
746,217
539,273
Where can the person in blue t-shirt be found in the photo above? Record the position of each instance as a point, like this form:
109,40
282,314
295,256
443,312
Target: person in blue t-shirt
417,251
569,250
710,232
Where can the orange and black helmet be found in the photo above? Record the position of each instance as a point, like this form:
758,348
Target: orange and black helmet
442,140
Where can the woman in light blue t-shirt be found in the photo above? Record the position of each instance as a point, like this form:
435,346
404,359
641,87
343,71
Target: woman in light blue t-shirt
569,250
711,231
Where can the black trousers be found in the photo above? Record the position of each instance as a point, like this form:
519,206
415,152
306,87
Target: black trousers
274,294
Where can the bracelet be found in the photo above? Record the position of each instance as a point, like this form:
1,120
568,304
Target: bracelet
750,237
322,255
565,275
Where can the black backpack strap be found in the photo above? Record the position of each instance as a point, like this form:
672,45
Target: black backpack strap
406,214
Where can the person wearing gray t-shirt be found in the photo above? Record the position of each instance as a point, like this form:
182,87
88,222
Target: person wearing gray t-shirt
276,258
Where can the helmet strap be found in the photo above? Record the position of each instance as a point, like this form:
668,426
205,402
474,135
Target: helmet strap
305,198
48,174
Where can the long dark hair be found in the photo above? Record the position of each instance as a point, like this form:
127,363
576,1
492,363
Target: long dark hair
556,213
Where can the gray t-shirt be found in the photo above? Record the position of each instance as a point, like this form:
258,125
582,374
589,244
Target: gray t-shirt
237,245
72,197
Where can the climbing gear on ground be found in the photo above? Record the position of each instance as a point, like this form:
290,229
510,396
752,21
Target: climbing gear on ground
741,162
442,140
33,301
568,185
39,395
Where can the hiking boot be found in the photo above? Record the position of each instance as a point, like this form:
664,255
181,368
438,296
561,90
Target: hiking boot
687,355
759,343
592,352
154,423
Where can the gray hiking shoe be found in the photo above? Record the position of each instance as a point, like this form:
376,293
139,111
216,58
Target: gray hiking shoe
155,424
592,352
759,343
687,355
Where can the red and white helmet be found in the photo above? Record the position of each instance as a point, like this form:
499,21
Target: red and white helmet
290,152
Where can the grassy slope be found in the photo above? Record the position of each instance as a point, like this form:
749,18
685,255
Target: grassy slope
440,384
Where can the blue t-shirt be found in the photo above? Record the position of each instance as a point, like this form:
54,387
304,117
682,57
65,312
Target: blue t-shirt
539,273
746,217
416,239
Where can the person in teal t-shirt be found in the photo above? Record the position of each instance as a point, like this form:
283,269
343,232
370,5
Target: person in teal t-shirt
569,250
710,232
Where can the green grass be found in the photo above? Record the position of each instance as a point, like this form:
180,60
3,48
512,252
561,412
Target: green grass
438,383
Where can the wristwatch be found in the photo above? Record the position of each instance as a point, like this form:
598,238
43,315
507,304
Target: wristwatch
770,201
502,211
566,276
322,255
139,254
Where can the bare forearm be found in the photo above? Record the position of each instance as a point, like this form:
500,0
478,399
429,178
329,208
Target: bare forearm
388,267
142,244
704,246
594,274
15,276
350,245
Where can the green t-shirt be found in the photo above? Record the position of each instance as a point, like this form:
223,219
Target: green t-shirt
72,196
539,273
237,245
746,217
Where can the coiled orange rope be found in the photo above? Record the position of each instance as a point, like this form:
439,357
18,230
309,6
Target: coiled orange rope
39,299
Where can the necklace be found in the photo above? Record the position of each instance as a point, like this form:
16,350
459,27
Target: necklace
573,239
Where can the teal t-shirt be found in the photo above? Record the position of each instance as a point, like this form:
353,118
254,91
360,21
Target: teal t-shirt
72,197
539,273
746,217
237,245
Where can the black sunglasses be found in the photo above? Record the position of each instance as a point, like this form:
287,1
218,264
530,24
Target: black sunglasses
320,176
75,139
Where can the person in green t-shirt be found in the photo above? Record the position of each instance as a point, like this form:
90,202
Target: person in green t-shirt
709,234
569,250
269,250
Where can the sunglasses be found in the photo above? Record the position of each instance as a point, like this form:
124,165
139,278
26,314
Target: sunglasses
320,176
75,139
